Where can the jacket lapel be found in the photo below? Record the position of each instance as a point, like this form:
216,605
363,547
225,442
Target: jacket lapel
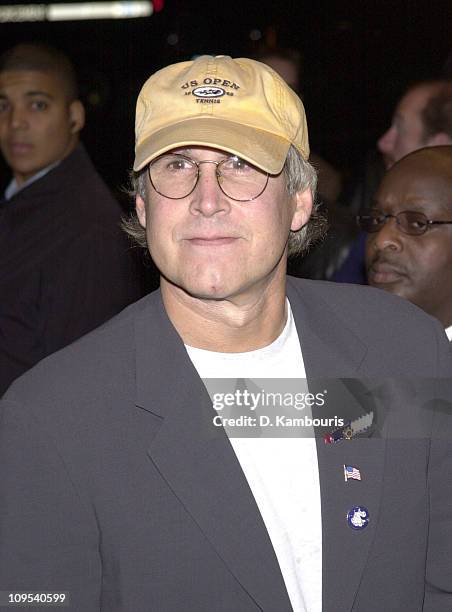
330,349
345,550
198,463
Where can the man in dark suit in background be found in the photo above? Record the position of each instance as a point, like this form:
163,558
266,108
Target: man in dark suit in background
64,266
119,484
409,246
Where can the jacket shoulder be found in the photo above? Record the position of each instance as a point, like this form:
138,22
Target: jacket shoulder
400,338
362,303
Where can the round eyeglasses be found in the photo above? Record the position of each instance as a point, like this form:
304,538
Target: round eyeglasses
408,222
175,176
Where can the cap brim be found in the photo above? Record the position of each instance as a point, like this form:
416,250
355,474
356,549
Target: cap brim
263,149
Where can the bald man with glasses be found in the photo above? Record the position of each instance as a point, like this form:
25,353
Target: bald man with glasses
409,246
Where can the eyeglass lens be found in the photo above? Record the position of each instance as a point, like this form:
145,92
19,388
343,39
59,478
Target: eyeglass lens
408,222
175,176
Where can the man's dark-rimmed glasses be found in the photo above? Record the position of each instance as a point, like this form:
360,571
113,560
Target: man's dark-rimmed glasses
408,222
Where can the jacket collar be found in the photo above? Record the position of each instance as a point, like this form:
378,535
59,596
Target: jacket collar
329,346
49,180
330,349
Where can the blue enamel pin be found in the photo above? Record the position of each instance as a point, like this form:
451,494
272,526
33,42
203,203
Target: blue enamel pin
358,517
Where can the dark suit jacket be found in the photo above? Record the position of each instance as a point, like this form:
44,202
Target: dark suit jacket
115,486
64,264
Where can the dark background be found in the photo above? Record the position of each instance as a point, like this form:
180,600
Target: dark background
358,56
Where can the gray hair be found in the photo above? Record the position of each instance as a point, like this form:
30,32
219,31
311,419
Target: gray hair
300,175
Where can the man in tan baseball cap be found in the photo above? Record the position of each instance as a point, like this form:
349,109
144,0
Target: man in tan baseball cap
236,104
142,476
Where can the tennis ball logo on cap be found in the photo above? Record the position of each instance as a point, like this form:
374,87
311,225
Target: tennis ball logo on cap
209,89
208,92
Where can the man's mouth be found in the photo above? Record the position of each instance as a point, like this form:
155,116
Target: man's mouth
19,148
381,273
215,240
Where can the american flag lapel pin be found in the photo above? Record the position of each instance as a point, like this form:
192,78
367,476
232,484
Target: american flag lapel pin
351,473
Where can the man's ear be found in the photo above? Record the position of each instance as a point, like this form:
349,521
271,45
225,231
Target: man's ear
140,208
76,116
303,208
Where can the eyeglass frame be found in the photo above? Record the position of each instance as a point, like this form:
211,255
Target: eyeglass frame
217,174
386,216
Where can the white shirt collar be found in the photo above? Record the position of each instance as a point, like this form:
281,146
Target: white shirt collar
14,188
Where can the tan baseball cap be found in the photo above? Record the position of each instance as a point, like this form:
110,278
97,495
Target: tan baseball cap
237,105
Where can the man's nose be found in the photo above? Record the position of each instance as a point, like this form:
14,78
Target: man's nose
17,117
388,237
385,143
207,198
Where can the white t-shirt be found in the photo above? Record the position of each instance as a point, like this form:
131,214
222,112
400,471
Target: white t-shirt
449,333
282,473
